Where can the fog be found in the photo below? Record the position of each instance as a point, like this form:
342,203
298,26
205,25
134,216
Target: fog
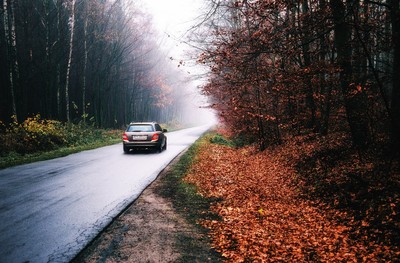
172,21
103,63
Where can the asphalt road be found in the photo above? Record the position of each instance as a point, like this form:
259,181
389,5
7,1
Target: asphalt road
50,210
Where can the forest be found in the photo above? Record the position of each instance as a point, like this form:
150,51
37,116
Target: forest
305,164
309,93
283,68
98,62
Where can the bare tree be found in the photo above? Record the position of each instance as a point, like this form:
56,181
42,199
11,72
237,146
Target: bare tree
79,60
11,43
395,105
71,24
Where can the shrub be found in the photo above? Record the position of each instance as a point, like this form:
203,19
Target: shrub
33,134
219,139
36,134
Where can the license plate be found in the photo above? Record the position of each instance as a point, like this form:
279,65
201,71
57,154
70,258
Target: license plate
139,137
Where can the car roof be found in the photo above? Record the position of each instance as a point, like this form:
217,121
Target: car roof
147,123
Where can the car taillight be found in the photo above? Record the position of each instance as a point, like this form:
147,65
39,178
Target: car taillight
155,137
125,137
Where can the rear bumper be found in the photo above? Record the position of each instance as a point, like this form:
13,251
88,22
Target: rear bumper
132,145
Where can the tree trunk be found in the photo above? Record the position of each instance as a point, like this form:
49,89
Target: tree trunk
307,63
11,43
395,103
48,86
58,77
326,87
354,96
71,46
85,50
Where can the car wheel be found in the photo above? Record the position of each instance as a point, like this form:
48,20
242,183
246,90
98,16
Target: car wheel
126,149
160,149
165,145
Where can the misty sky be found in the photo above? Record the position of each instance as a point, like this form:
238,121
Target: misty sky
173,18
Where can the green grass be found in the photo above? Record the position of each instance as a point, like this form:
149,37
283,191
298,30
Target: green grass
37,139
83,142
194,247
217,138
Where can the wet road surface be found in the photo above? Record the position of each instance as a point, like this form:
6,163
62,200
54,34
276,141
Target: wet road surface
50,210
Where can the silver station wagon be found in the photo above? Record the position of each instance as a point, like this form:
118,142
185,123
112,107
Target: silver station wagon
144,135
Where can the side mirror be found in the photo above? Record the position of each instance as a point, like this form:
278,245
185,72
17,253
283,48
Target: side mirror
164,130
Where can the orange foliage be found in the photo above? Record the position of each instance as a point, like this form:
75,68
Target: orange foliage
264,216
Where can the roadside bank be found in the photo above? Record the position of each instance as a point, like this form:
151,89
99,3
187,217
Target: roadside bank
160,226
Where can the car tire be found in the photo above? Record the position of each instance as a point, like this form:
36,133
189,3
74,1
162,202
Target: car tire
126,149
160,148
165,145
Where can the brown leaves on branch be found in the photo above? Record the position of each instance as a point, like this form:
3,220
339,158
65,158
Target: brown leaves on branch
294,61
265,217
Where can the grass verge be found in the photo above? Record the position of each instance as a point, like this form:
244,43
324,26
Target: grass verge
13,158
191,206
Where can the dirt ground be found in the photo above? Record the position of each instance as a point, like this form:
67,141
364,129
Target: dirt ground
150,230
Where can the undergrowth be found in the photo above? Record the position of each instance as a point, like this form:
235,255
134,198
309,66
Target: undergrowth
221,140
364,185
310,199
39,139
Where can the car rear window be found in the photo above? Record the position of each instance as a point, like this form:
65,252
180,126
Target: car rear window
140,128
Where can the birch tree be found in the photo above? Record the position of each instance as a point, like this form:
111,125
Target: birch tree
79,60
11,43
85,61
71,24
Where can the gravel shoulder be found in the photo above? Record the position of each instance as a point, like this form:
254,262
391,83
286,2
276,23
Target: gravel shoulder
150,230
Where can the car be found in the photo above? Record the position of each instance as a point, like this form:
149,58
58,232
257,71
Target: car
144,135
